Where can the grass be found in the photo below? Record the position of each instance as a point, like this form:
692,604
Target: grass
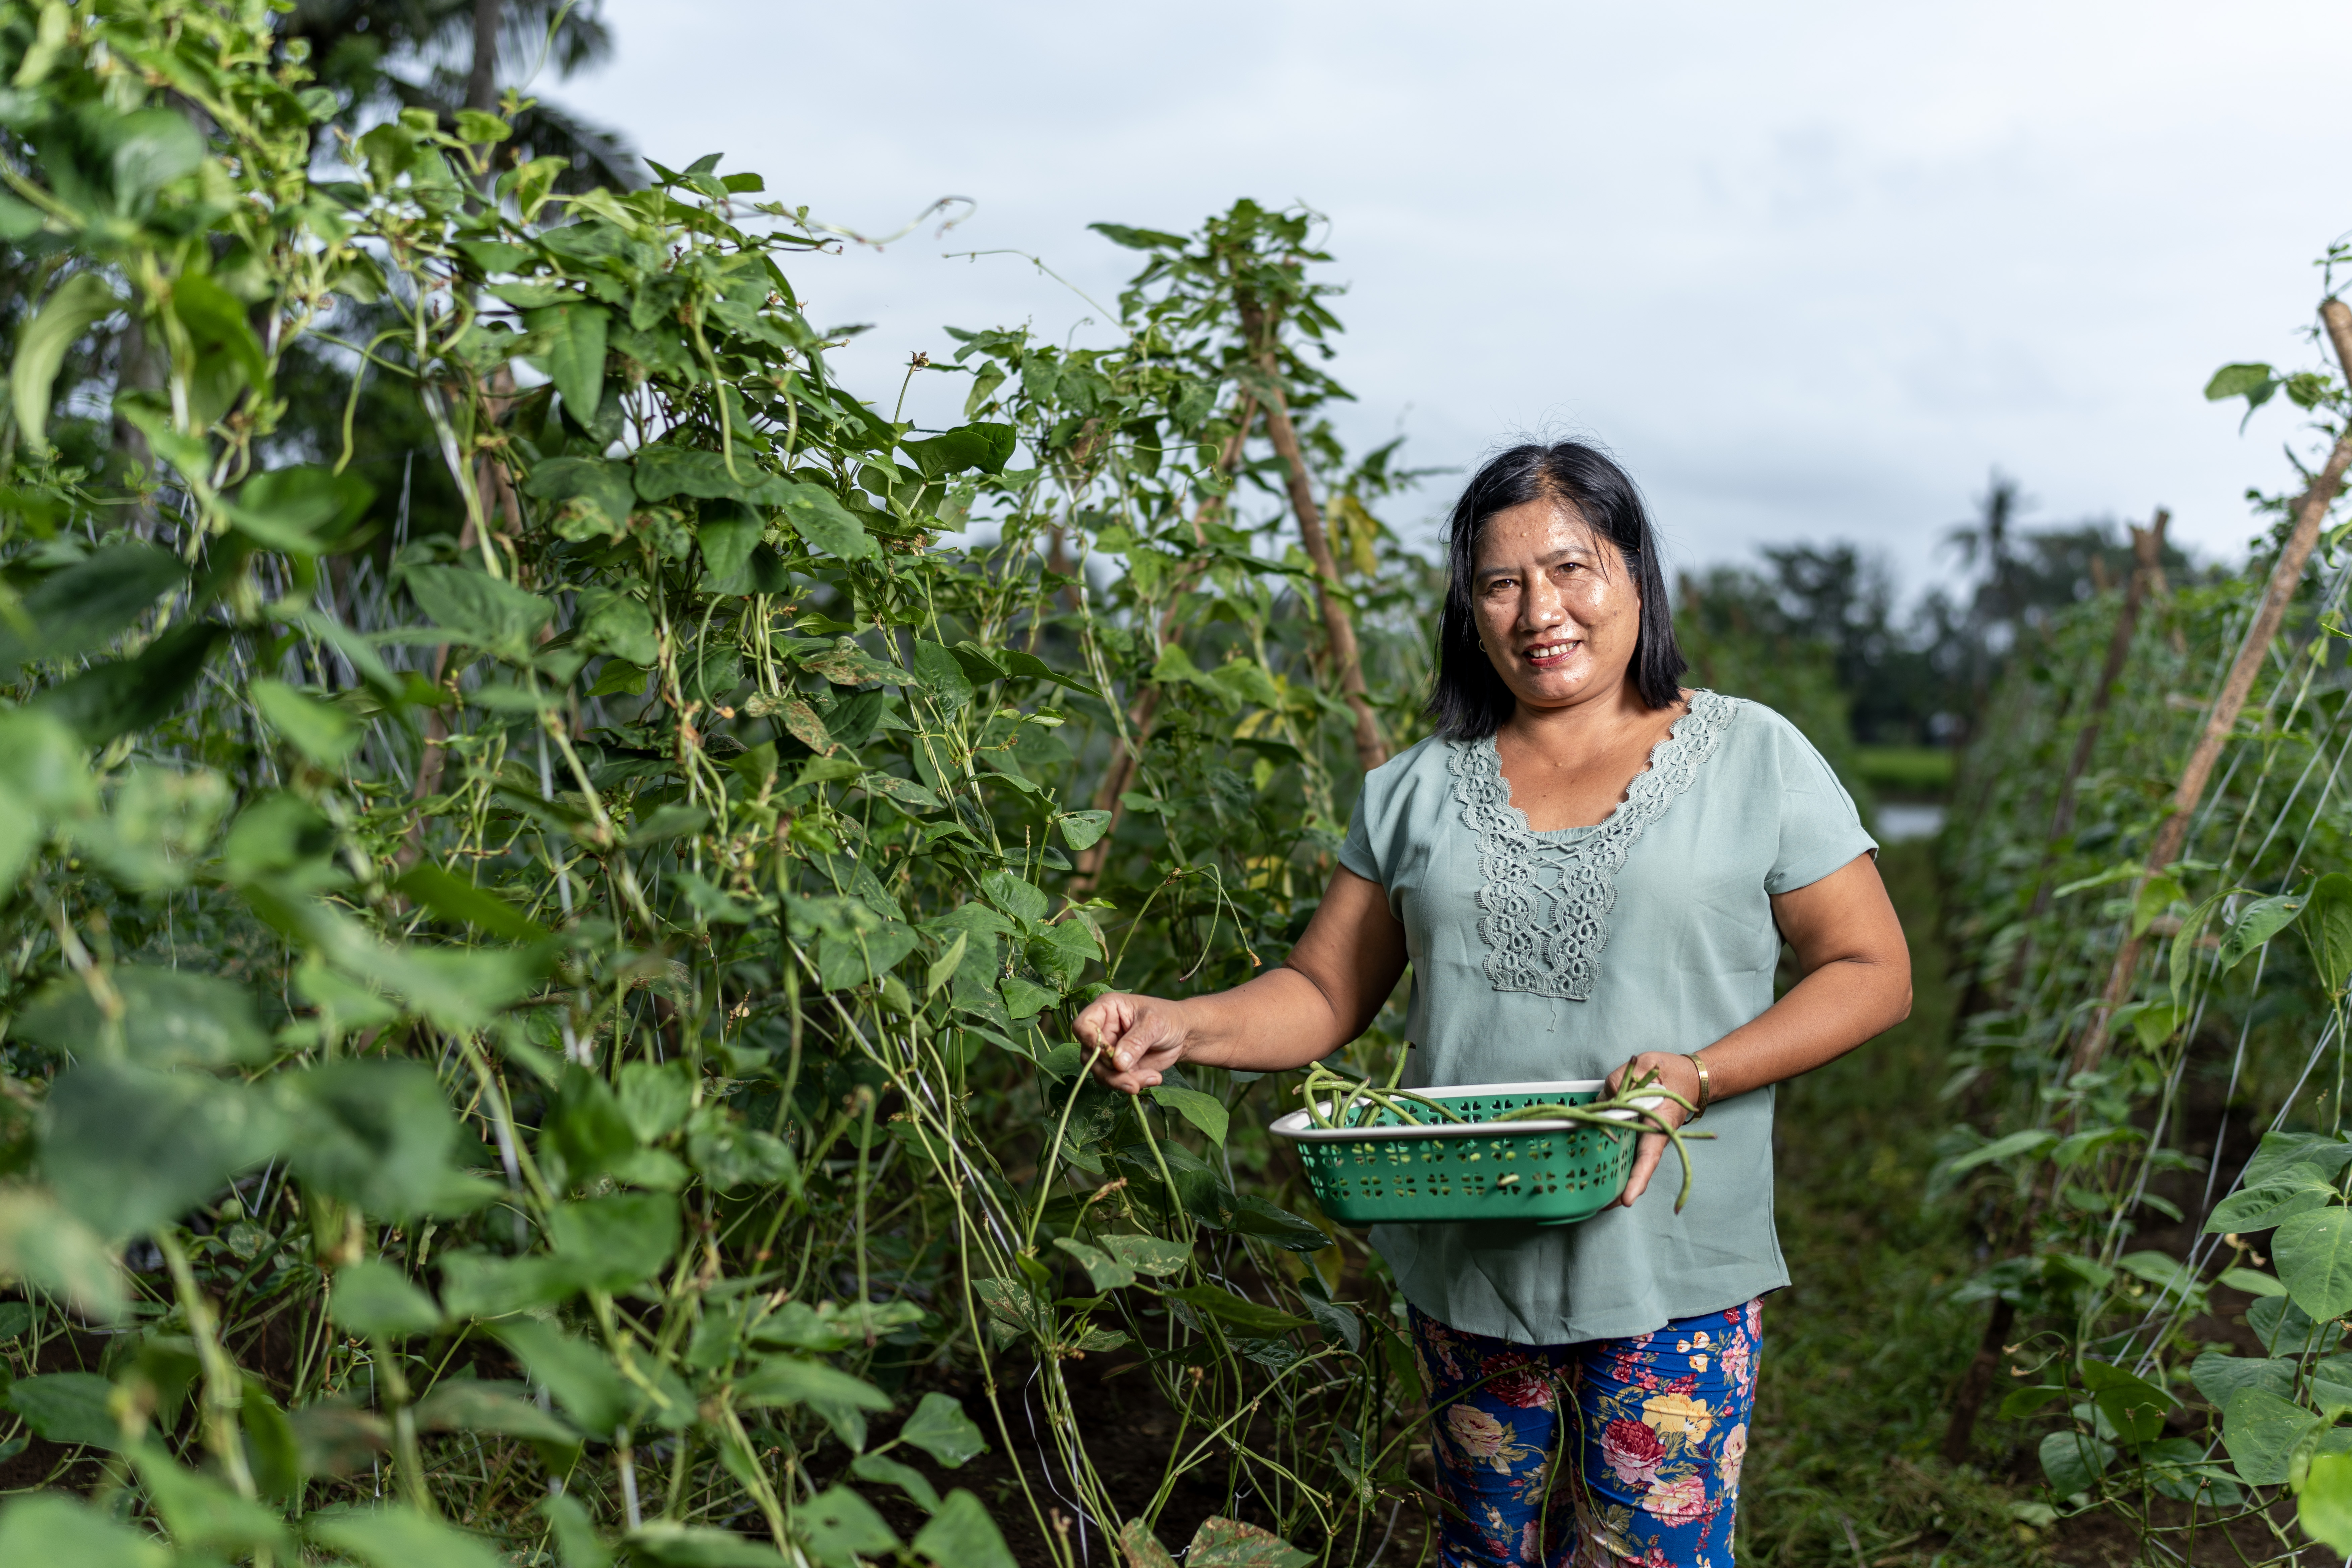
1862,1353
1905,770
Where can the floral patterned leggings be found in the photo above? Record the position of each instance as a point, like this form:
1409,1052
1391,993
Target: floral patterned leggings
1658,1425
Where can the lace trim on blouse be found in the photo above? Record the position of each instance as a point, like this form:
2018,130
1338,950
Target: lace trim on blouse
1546,897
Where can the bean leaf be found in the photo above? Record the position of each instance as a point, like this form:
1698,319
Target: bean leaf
471,1404
304,509
2261,1431
476,607
1148,1254
2327,927
840,1527
388,1537
913,1482
961,1535
1245,1316
76,304
1104,1272
2155,895
68,1407
1230,1544
1204,1111
87,604
943,968
2252,1281
2256,924
1141,1548
171,1018
579,1374
943,675
44,1246
792,1380
190,1133
48,1528
372,1297
2297,1190
2181,960
2074,1460
2133,1406
2324,1501
2029,1141
819,517
322,731
2217,1375
575,354
940,1427
2314,1261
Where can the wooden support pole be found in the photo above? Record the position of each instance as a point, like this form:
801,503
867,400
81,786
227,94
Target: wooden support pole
2147,546
2286,575
1340,629
1371,751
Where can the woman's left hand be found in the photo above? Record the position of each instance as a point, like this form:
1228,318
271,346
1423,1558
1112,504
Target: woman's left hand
1674,1072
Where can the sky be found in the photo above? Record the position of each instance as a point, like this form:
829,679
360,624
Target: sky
1811,271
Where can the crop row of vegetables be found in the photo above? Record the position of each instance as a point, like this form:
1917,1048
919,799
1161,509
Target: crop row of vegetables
2147,861
531,1023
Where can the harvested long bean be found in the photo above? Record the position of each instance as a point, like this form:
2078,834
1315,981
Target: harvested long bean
1633,1104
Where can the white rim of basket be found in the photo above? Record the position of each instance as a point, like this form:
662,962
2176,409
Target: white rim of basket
1300,1126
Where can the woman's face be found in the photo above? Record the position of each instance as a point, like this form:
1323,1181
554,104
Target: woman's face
1555,606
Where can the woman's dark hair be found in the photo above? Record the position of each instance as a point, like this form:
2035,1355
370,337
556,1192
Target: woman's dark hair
1466,698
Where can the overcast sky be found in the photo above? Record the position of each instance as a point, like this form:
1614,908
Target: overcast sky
1810,270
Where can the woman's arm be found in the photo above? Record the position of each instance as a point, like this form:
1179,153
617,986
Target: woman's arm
1324,994
1857,968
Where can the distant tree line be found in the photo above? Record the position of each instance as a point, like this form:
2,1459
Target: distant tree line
1823,624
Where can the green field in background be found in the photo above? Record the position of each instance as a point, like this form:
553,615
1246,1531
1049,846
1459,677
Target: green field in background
1905,770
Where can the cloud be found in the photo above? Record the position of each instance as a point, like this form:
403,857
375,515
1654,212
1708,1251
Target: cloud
1811,271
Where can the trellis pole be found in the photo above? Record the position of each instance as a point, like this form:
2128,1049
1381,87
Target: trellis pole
2285,577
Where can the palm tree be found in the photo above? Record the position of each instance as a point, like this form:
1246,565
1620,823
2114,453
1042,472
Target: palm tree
447,55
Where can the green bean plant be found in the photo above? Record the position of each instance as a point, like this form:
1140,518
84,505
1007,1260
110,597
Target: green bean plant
535,1022
2174,1266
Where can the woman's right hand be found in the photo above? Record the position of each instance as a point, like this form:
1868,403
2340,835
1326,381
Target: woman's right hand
1134,1039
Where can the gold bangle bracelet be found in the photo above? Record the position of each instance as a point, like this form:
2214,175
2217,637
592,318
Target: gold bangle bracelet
1706,1088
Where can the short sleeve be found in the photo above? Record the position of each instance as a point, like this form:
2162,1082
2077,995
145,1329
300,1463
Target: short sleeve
1820,830
1356,852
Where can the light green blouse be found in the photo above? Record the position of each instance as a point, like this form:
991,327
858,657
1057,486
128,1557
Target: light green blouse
1560,955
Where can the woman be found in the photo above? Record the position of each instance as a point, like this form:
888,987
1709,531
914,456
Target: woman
1586,862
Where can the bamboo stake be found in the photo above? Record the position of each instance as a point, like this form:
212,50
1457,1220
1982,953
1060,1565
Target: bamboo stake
1258,330
2147,546
1371,751
2285,577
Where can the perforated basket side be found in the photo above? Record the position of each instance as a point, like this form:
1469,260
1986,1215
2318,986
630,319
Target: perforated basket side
1554,1175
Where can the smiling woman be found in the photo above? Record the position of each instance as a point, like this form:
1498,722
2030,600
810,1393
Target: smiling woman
1586,861
1558,523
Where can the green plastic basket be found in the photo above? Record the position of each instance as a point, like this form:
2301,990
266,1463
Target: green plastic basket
1400,1172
